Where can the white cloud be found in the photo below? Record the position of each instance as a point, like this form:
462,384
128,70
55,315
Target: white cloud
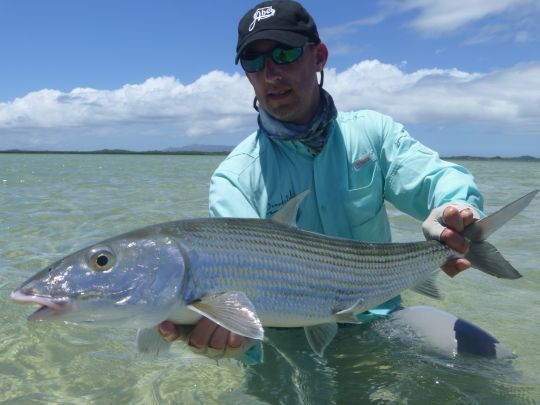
351,27
163,112
509,97
447,15
158,98
439,17
214,102
490,33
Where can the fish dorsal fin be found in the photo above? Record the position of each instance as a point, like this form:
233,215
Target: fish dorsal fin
480,230
428,287
287,214
320,336
232,310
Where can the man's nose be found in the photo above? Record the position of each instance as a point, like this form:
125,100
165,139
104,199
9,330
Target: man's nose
272,71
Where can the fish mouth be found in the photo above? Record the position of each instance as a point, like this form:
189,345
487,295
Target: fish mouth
49,308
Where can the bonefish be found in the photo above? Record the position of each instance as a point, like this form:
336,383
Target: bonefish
246,274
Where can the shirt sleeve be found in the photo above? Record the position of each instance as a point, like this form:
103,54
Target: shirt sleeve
417,180
226,199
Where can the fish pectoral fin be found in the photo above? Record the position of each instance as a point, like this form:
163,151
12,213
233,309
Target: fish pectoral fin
428,287
320,336
348,315
149,341
233,310
287,214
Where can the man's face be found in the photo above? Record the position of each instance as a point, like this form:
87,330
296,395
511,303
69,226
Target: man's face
289,92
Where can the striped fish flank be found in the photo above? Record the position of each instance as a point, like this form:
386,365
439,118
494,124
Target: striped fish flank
298,278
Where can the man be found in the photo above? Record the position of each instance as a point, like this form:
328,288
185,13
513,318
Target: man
352,162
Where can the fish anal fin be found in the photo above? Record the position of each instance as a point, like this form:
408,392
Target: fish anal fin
320,336
233,310
150,342
428,287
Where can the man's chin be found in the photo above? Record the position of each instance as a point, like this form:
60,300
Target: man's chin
283,112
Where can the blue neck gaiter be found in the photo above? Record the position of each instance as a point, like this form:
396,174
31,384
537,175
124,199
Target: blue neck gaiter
313,135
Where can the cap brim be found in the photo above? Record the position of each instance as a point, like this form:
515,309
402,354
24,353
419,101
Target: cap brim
283,37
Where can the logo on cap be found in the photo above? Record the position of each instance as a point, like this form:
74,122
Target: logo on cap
261,14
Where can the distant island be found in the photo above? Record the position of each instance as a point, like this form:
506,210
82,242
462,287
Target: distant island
517,158
202,148
198,149
185,150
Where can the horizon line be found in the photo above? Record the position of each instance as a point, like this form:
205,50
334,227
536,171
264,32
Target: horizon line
214,152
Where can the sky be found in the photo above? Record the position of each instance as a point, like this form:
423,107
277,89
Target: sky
463,76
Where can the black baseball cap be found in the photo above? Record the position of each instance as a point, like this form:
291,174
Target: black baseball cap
283,21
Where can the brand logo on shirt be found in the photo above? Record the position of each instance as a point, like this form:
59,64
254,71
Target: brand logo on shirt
404,134
357,164
261,14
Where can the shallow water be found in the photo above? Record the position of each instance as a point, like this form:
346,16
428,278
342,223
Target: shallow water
54,204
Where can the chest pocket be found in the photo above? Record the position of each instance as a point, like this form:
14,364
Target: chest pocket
364,197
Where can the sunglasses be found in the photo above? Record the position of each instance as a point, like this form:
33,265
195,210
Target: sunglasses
254,62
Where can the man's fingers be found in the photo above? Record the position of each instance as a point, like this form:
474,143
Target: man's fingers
455,266
445,223
225,339
235,341
453,219
467,216
219,338
208,338
202,333
245,345
170,332
455,241
458,220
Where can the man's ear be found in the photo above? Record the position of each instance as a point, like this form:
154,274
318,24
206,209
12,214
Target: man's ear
321,56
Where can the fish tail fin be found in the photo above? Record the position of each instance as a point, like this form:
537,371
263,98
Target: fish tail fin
483,255
482,229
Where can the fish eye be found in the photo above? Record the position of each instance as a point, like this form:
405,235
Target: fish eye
101,260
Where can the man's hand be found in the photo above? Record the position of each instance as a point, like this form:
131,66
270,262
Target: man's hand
446,223
208,338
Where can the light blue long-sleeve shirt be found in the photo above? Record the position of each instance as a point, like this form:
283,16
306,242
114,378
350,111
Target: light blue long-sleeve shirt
367,159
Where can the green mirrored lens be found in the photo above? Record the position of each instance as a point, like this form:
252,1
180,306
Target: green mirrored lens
286,55
281,56
253,64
